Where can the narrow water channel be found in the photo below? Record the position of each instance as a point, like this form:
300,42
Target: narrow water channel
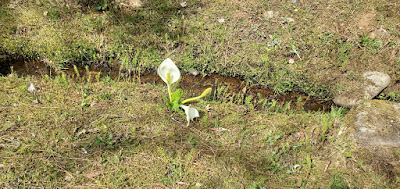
191,84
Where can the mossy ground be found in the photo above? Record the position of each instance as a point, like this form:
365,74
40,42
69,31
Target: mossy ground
121,134
331,43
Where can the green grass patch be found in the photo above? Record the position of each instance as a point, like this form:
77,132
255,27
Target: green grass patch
126,137
247,43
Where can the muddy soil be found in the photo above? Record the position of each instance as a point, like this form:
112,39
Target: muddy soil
191,84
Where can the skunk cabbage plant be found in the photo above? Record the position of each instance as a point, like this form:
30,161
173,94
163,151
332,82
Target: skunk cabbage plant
170,74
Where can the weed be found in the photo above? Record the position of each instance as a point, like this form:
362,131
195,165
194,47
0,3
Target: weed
107,79
338,181
105,141
274,160
258,186
61,79
105,96
77,72
374,45
271,139
104,5
344,55
248,102
326,125
88,75
327,121
393,96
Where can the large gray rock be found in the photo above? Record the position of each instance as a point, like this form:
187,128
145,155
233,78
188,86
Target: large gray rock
375,123
373,129
371,85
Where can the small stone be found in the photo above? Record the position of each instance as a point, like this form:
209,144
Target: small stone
208,108
93,104
268,14
198,185
194,72
291,61
68,177
183,4
45,13
287,20
84,150
221,20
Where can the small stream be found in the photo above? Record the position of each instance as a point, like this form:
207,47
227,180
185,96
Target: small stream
234,88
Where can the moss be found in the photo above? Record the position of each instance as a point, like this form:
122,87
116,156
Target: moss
132,135
246,44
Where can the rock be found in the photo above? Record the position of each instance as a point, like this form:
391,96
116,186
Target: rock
129,3
183,4
375,123
371,85
194,72
268,14
287,20
379,82
373,129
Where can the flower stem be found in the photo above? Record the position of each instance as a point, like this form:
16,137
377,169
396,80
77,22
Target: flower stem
169,93
169,86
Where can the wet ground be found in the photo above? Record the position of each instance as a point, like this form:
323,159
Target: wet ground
234,88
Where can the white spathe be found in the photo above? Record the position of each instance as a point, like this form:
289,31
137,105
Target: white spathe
32,88
191,113
167,66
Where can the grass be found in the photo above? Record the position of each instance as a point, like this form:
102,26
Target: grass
124,136
118,134
246,44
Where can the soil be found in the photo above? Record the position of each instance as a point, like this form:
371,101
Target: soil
194,85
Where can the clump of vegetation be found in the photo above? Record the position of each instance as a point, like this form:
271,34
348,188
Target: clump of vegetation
267,43
116,142
170,74
93,131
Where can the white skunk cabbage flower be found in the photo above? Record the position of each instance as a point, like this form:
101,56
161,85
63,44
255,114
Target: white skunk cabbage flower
168,72
32,88
191,113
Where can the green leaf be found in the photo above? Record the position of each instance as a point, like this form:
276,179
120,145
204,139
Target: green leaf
205,92
98,7
176,99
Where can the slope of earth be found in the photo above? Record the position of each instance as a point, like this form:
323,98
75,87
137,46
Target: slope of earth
316,47
121,134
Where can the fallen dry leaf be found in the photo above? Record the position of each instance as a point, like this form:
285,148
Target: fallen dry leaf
92,175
